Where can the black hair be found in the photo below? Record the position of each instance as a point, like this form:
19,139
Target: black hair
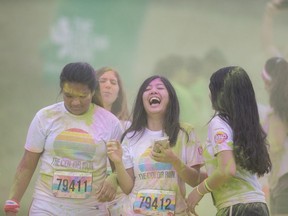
233,99
80,72
171,125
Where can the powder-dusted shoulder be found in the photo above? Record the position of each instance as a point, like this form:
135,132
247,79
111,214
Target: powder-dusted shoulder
105,113
52,110
187,127
217,121
217,124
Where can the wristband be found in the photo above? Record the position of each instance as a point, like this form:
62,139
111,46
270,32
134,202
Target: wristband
201,194
11,206
206,186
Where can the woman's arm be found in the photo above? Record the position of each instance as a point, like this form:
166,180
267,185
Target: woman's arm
225,170
23,175
271,10
125,177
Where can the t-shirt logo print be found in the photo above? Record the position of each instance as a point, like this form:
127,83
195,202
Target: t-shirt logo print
220,137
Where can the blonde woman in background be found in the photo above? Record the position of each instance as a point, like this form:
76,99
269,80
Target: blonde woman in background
114,100
112,93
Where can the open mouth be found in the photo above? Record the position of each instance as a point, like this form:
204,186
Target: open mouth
154,100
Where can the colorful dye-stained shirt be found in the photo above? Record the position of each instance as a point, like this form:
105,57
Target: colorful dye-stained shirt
244,186
74,157
155,182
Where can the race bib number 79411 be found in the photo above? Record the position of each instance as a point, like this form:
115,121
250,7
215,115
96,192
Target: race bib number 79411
72,184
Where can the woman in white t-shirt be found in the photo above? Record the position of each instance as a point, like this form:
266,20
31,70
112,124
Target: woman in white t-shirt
236,150
68,138
113,96
155,180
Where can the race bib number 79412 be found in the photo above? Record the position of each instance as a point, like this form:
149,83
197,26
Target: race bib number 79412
155,202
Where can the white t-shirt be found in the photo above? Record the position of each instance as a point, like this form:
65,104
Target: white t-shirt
150,174
116,207
74,159
244,187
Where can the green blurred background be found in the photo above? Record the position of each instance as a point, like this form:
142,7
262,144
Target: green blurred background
38,37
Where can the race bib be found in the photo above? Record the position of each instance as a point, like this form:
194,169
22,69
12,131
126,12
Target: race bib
75,185
155,202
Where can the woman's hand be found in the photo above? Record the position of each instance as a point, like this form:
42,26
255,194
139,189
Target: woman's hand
165,155
192,201
114,151
109,189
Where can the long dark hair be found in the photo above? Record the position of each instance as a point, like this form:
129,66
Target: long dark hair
234,101
171,125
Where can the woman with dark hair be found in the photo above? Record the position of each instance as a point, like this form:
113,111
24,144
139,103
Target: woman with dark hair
270,69
273,66
236,150
155,179
275,76
67,137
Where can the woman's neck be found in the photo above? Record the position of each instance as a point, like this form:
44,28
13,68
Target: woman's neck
154,124
107,107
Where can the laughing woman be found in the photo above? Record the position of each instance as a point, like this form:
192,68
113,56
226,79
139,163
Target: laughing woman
155,181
